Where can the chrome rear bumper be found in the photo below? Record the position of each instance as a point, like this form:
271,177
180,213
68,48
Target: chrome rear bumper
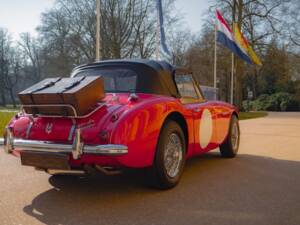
77,149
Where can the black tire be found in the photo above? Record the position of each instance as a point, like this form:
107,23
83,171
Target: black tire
158,173
230,147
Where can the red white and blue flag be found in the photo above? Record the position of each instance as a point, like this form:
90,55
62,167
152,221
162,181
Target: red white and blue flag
226,38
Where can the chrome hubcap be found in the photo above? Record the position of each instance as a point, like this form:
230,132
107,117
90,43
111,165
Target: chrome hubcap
235,136
173,155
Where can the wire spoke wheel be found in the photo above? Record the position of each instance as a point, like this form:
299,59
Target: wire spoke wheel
229,148
173,155
169,159
235,136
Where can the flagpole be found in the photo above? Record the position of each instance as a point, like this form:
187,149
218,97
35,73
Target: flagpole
98,54
232,54
215,59
232,78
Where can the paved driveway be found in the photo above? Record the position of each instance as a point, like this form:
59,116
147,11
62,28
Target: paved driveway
261,186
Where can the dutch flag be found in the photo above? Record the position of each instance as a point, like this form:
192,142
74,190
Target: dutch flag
226,38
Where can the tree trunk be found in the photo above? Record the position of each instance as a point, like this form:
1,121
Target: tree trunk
13,100
254,83
3,99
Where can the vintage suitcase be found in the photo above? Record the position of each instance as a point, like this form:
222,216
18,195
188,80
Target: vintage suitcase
81,92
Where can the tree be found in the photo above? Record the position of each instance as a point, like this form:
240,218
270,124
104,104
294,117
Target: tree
180,42
258,19
291,23
5,48
56,41
32,53
12,76
10,63
128,30
200,59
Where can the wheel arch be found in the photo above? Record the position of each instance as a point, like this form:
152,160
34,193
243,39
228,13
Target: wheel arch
234,113
179,118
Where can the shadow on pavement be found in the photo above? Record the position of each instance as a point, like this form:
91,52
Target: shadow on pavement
246,190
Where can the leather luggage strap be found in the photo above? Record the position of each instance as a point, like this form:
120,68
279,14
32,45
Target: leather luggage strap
75,83
70,86
46,85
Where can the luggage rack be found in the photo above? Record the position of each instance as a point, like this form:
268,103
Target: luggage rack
75,116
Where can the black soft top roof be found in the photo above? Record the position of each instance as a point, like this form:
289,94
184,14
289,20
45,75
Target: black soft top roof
155,77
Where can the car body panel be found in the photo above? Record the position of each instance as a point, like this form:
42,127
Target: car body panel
134,120
136,124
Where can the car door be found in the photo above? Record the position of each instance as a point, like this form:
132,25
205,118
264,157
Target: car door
204,114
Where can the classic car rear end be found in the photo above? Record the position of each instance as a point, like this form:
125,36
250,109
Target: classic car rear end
142,122
42,136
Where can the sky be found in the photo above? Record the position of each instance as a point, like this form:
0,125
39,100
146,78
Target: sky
24,16
193,11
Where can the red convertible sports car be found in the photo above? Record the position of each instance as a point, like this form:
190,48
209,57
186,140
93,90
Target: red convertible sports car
153,116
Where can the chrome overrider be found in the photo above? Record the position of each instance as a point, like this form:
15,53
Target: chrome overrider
78,148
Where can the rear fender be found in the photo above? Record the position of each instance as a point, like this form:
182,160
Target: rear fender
139,129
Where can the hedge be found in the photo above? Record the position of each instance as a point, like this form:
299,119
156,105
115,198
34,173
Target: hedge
280,102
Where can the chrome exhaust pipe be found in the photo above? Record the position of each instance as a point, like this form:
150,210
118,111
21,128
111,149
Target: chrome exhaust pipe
66,172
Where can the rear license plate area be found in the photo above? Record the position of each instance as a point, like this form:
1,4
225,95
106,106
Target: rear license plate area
45,160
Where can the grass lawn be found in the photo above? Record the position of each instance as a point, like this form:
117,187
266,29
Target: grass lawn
9,108
5,117
251,115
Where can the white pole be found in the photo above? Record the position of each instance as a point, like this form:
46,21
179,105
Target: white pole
232,78
232,55
98,30
215,59
158,38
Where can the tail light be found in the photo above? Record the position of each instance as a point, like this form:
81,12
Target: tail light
104,136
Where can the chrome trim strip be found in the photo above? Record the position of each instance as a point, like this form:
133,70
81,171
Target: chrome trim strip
72,129
1,141
29,129
45,146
